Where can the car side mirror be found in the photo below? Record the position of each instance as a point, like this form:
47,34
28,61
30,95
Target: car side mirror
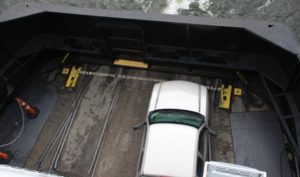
139,126
210,130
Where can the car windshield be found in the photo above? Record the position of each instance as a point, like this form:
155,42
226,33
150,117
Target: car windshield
177,117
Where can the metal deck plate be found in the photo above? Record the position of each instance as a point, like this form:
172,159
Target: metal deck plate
39,94
258,142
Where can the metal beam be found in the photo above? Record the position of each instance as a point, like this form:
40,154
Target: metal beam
289,110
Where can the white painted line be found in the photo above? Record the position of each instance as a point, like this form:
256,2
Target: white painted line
135,78
121,76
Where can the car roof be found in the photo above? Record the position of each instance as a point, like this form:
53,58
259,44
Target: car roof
181,95
171,150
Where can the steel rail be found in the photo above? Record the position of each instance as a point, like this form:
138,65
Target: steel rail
59,131
68,128
104,131
50,146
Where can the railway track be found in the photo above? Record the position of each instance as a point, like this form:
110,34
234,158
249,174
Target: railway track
59,138
103,134
55,150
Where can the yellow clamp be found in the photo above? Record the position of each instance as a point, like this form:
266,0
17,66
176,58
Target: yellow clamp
74,74
225,96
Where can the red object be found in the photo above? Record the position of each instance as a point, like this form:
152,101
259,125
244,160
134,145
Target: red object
31,112
4,156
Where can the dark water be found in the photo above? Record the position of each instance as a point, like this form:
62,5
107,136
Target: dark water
283,11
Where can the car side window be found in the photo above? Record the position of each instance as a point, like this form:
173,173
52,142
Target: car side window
201,145
140,162
200,166
201,153
142,150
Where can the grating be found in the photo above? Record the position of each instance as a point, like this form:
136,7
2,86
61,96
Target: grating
219,169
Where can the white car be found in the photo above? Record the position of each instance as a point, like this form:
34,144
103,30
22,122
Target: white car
175,143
